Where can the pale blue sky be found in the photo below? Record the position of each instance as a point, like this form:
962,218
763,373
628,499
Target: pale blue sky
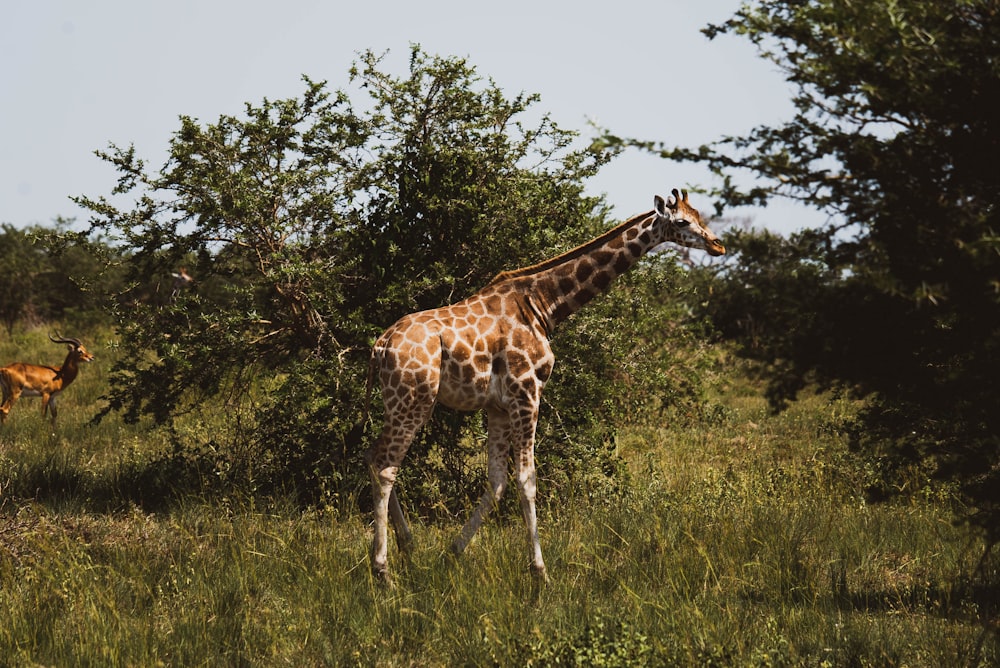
76,75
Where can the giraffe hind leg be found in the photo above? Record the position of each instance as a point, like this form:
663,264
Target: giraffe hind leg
383,478
401,423
404,537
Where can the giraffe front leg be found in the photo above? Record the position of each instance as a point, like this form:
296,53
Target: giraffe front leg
527,486
497,450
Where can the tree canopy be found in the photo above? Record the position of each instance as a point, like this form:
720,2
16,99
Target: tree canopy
898,297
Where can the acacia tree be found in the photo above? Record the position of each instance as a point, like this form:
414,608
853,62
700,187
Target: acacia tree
309,225
895,135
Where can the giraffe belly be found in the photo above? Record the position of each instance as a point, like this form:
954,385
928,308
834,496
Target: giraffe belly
462,388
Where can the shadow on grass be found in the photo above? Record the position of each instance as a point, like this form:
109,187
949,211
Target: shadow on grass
154,485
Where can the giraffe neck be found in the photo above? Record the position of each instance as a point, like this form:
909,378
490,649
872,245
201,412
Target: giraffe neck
561,286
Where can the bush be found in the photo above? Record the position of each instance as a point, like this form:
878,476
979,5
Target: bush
312,224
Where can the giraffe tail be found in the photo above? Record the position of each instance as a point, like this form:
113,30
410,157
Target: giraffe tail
358,430
369,387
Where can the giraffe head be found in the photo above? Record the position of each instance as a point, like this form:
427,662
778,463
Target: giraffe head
681,223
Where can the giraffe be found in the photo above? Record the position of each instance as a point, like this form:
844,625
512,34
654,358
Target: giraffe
491,351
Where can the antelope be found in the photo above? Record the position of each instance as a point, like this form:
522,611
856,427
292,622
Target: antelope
35,380
182,281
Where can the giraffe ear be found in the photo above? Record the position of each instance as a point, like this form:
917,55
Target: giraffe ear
660,205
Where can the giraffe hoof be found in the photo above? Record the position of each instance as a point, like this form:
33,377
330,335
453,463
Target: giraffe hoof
540,574
380,574
456,549
450,556
383,579
405,545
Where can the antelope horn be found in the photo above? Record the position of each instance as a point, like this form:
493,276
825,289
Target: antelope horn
75,342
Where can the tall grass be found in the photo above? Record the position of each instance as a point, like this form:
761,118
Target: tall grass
742,539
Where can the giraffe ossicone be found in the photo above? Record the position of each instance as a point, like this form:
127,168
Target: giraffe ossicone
491,352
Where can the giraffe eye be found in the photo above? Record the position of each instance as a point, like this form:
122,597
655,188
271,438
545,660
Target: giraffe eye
683,222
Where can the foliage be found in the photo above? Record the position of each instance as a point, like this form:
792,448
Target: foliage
899,296
311,224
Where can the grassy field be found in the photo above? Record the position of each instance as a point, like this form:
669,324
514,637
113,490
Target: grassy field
744,541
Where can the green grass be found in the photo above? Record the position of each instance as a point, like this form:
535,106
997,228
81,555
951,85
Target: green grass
744,540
